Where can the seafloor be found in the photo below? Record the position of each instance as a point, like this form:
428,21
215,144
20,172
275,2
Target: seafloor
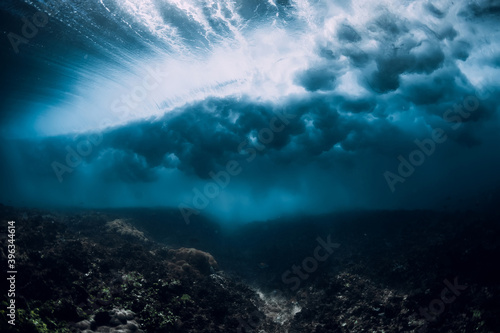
145,270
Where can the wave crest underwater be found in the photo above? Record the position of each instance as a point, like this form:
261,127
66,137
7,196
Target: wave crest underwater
151,103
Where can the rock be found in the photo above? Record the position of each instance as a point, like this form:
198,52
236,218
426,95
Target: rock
102,318
191,261
115,321
132,326
125,229
83,325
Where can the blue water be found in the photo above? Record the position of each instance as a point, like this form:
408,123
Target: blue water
249,110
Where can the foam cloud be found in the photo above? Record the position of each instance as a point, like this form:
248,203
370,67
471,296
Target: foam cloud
319,102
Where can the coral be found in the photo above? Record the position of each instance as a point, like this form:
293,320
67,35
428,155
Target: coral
116,320
125,229
189,261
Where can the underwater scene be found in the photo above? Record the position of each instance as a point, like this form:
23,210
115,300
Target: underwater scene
250,166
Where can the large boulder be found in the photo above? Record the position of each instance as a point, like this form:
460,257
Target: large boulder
191,261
